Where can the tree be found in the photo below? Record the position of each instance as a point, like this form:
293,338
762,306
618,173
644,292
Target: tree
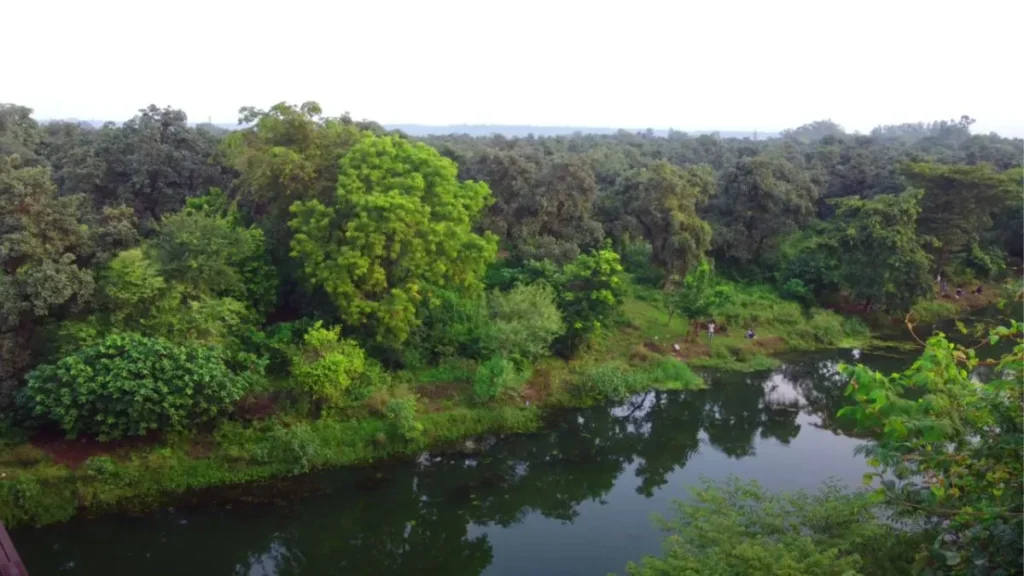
700,294
739,528
590,290
959,201
153,163
761,200
326,365
44,255
949,450
399,225
543,207
881,258
289,153
663,201
525,320
206,249
19,134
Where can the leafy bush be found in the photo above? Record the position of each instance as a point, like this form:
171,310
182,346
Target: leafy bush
616,382
525,320
327,365
737,527
496,378
638,260
454,325
948,452
450,370
402,413
128,385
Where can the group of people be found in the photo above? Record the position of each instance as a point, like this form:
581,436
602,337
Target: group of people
944,287
711,331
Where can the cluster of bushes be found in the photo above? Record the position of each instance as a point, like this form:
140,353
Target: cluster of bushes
620,381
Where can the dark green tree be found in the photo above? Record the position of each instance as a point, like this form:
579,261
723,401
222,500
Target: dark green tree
881,257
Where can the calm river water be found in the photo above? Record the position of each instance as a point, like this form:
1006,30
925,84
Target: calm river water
574,499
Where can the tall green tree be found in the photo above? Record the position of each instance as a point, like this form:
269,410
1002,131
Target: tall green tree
19,133
698,295
44,255
399,224
881,257
959,201
761,200
152,163
286,154
662,201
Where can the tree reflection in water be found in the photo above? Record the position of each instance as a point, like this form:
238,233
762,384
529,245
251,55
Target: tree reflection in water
416,517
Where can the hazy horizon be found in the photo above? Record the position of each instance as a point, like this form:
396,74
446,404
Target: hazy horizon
736,65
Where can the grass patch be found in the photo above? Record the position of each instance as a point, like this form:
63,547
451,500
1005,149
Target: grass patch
617,381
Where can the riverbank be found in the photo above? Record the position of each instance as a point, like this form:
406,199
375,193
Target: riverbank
46,480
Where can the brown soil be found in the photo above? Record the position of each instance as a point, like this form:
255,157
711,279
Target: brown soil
73,453
691,350
256,407
538,387
435,396
769,344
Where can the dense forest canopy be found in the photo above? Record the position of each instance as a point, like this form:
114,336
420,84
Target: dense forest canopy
182,234
159,279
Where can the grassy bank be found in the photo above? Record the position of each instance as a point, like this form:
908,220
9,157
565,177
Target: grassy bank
43,482
37,488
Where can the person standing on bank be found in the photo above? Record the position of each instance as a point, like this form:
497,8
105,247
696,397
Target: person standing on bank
711,330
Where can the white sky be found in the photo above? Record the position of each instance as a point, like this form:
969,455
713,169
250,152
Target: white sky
691,65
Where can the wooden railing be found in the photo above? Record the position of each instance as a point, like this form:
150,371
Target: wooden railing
10,563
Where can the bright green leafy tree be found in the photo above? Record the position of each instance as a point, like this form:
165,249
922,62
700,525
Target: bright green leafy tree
590,290
399,224
525,320
326,365
949,454
698,296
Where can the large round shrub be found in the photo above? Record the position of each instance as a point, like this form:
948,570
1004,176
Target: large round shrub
128,385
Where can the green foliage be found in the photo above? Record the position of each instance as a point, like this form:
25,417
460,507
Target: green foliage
881,259
326,365
497,378
453,325
949,450
210,254
808,270
700,295
524,320
450,370
959,201
400,222
590,290
660,202
637,260
134,297
762,199
738,527
402,413
617,382
129,385
44,251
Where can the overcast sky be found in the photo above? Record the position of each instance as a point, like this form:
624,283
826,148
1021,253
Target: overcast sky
708,64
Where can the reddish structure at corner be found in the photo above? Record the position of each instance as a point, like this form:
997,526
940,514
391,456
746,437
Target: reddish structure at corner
10,563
